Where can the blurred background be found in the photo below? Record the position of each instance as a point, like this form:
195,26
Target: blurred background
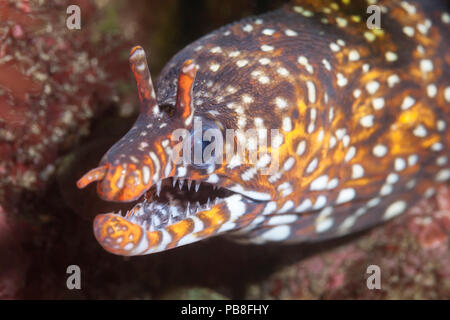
67,95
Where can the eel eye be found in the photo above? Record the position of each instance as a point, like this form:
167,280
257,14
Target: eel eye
205,145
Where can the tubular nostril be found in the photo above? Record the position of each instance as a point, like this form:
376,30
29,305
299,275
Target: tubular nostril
93,175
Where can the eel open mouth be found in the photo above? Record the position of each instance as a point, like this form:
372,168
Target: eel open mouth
172,200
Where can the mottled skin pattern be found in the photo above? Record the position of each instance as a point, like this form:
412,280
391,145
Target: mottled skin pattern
363,115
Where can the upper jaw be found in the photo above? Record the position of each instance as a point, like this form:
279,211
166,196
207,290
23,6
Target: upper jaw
173,199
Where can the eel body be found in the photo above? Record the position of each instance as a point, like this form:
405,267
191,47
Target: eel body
362,117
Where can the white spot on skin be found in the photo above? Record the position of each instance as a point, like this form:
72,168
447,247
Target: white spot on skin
440,125
367,121
320,202
213,179
407,103
353,55
346,195
372,87
312,165
248,28
333,183
216,50
326,64
369,36
282,219
324,225
145,174
319,183
278,233
301,147
399,164
445,18
268,32
334,47
392,178
412,159
395,209
305,205
378,103
409,31
447,94
283,72
241,63
181,171
341,22
420,131
437,146
264,61
392,80
290,33
234,54
311,91
357,171
270,208
214,67
441,161
374,202
266,47
247,99
443,175
356,93
431,90
289,163
426,65
379,150
350,154
391,56
285,189
386,189
341,80
264,79
280,102
365,67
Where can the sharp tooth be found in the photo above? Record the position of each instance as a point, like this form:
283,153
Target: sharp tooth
197,186
189,184
180,184
208,203
188,211
174,182
158,188
198,205
216,200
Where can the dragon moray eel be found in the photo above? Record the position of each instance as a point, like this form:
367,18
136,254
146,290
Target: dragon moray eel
363,119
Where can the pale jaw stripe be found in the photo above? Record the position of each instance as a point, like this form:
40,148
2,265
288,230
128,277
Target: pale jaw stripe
165,240
251,194
157,165
235,206
142,246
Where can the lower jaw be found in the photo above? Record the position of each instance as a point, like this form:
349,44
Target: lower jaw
123,236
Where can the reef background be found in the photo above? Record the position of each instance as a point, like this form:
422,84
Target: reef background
67,95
